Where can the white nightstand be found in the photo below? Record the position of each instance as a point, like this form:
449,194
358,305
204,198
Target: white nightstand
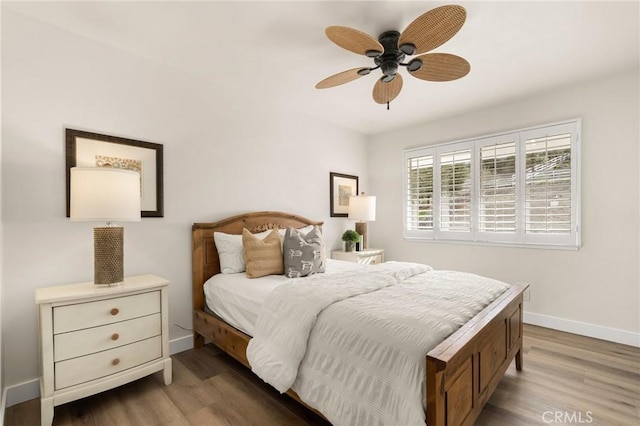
367,257
94,338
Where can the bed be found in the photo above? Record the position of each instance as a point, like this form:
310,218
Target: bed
461,372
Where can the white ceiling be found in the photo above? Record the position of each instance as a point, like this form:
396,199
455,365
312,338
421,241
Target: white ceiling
277,51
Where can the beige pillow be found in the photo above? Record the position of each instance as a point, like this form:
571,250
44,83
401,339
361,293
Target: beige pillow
262,256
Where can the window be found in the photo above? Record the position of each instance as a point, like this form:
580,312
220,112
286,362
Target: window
517,188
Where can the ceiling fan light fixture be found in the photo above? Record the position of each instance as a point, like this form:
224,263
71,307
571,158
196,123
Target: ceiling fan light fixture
389,68
414,65
408,48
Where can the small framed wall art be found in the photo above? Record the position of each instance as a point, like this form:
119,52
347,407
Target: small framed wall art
341,187
86,149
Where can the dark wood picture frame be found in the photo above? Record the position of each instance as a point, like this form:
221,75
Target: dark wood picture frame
336,181
112,146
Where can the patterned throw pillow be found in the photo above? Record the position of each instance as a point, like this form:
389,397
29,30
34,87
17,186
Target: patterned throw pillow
303,254
262,257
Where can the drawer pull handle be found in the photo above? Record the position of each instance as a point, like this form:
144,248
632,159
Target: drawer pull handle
115,362
115,311
115,336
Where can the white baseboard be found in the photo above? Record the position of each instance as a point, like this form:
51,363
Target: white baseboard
584,329
3,404
30,389
181,344
22,392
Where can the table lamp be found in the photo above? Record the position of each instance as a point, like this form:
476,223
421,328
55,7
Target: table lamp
106,195
362,209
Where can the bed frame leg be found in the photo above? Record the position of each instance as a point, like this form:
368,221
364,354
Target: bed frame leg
198,341
519,359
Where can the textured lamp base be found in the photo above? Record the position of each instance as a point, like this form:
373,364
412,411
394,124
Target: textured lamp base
108,253
361,228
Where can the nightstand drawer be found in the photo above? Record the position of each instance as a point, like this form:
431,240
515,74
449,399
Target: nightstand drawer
97,339
370,260
91,314
79,370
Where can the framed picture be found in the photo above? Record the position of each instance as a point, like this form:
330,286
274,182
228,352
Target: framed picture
341,187
86,149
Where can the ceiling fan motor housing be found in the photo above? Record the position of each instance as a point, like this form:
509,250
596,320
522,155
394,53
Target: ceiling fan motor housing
392,56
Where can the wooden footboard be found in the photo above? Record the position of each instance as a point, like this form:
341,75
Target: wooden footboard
464,370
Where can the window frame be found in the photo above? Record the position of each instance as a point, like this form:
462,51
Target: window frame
519,238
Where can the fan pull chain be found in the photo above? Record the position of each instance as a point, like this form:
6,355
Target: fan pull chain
387,106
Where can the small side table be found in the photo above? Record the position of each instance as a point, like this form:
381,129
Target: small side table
365,257
95,338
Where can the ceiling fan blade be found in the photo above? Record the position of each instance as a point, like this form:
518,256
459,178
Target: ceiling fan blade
433,28
386,92
441,67
354,40
340,78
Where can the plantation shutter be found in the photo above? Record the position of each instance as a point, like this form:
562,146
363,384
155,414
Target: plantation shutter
497,193
419,184
455,191
550,179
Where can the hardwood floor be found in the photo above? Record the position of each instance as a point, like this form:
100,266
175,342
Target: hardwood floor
566,379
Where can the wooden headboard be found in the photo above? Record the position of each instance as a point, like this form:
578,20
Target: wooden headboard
205,254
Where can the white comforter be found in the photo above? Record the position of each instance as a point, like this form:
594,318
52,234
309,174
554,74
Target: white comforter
353,345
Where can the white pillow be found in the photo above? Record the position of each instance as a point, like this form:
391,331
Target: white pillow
230,251
302,231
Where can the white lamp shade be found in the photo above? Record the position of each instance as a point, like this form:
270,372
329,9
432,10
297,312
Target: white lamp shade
362,208
104,194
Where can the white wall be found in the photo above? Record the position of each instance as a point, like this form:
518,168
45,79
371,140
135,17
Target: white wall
2,388
2,393
223,155
598,285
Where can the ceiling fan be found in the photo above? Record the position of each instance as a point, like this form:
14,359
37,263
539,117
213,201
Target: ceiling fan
425,33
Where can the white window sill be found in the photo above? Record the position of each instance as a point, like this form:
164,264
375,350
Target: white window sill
494,244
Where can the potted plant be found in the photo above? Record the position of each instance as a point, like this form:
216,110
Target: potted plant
350,239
